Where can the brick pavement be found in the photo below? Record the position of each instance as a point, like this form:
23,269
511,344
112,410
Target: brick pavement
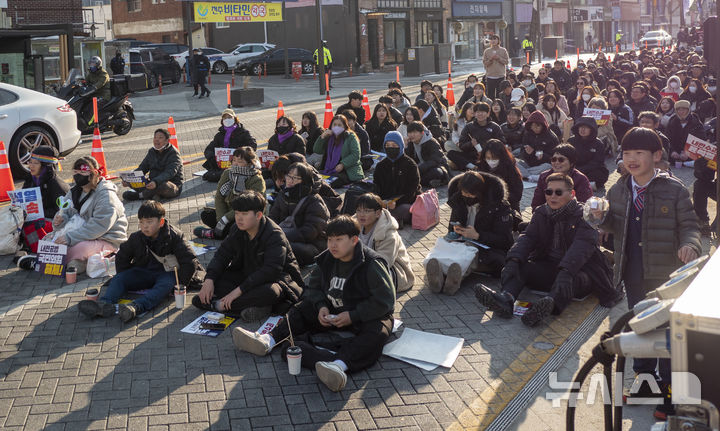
59,370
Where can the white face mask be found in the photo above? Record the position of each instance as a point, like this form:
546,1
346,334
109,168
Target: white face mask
692,89
712,89
673,84
228,122
337,130
586,97
492,163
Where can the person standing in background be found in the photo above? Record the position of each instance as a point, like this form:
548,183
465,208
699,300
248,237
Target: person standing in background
495,59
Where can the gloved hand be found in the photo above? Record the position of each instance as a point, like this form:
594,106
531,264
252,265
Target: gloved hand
219,231
509,271
452,236
563,285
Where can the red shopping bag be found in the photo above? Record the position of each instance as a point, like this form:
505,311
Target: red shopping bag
426,210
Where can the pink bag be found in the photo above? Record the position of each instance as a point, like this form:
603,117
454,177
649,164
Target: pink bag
426,210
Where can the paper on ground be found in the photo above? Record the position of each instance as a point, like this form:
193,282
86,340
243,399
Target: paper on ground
426,347
200,173
208,317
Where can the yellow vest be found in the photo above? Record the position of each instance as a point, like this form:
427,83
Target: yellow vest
328,57
527,44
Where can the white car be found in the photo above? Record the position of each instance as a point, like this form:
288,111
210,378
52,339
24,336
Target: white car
240,52
213,54
656,39
29,119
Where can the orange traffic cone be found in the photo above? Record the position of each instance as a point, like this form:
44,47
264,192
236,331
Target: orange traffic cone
328,112
173,134
568,64
366,105
98,153
281,110
450,92
6,181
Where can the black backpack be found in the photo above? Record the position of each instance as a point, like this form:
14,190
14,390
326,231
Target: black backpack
352,194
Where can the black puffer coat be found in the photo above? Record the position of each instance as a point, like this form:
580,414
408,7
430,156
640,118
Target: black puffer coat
293,144
398,178
163,165
546,141
240,137
311,215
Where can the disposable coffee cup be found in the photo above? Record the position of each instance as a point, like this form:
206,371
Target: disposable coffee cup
539,154
678,165
71,275
294,358
180,297
91,294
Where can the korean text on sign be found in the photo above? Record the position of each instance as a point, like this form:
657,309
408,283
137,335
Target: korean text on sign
30,200
223,157
696,147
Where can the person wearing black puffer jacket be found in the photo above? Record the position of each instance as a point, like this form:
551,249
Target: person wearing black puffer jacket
231,134
301,213
429,118
474,136
480,212
43,164
397,179
590,152
682,124
538,145
426,152
286,140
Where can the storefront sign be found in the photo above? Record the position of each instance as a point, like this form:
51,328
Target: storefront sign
583,14
237,12
395,15
477,9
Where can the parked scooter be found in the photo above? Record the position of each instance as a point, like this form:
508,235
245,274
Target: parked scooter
115,114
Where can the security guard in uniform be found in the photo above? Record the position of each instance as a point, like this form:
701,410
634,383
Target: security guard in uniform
528,46
618,39
328,61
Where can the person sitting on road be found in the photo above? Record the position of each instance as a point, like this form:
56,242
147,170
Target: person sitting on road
301,213
397,180
411,114
513,130
479,212
400,102
395,113
355,99
340,150
243,174
538,143
254,270
496,159
474,136
43,164
426,153
94,199
429,118
310,130
379,124
558,253
563,161
281,167
590,152
464,118
146,262
366,158
163,166
231,134
286,139
350,289
379,231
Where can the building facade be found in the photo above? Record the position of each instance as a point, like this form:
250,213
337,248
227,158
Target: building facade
149,20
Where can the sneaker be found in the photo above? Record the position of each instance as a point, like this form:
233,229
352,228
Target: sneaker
18,255
453,279
250,342
127,312
434,274
253,314
538,311
533,178
131,195
27,262
331,375
203,232
500,303
96,308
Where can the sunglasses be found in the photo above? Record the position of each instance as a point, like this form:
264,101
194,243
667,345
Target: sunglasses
558,160
558,192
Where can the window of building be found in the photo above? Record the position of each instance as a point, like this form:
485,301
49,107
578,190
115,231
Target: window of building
428,4
222,25
393,4
428,32
158,1
134,5
108,24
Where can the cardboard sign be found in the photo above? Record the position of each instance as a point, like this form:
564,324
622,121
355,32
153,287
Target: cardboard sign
267,158
696,147
601,116
673,96
223,157
136,179
30,200
50,258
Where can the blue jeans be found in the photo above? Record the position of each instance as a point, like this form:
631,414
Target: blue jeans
159,283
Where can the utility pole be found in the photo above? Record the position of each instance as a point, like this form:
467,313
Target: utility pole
321,50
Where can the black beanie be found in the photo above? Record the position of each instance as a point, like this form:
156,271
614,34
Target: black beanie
422,104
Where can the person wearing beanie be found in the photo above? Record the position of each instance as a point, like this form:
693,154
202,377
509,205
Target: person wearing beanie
680,125
397,179
655,230
43,165
429,118
538,142
254,271
474,136
231,134
428,156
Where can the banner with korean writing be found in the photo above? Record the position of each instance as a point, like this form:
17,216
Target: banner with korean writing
30,200
696,147
237,12
223,157
601,116
267,158
50,258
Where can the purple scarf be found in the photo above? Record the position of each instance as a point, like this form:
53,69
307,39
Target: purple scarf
333,156
284,136
228,133
36,180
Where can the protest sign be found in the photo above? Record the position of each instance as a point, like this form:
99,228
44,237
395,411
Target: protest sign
223,157
209,317
30,200
50,258
601,116
673,96
136,179
267,157
696,147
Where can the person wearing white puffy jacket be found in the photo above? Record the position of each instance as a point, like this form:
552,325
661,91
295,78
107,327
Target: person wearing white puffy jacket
95,200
